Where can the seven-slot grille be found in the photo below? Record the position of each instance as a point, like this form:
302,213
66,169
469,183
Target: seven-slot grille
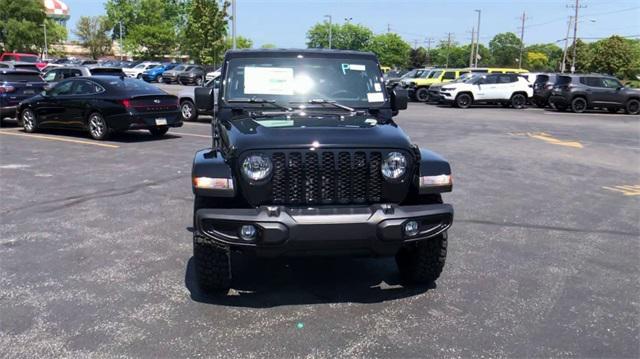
326,177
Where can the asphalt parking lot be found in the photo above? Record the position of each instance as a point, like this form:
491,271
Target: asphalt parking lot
95,251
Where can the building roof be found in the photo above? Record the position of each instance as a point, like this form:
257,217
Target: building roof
56,9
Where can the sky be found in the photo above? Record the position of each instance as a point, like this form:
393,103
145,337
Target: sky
285,22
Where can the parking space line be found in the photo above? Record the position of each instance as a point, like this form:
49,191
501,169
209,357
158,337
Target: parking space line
627,190
549,139
53,138
189,134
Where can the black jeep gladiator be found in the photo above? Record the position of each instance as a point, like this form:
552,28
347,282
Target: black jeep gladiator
307,160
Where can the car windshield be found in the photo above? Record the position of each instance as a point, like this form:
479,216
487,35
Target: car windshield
424,74
141,66
434,74
411,74
352,82
31,59
134,86
542,78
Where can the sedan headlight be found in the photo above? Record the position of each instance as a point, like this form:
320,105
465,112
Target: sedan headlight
256,167
394,165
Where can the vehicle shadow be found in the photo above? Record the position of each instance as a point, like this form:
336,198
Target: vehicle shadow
122,137
267,283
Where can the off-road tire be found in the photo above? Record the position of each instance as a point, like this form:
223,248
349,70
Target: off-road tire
212,264
423,261
422,94
579,105
159,131
463,100
632,107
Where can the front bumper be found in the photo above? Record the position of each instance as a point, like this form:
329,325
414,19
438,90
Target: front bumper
375,230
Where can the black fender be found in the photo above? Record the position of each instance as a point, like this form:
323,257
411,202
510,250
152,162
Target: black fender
210,163
432,164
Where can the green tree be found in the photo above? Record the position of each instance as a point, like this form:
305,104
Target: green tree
612,55
268,46
345,37
584,56
418,57
505,49
150,27
553,53
391,49
537,61
21,26
93,33
204,35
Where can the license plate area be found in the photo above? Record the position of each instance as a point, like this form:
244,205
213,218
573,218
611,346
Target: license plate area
161,121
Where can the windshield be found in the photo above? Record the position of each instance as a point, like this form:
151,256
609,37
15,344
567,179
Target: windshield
141,66
353,82
26,58
434,74
424,74
179,68
134,86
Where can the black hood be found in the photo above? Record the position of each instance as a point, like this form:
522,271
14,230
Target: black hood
313,131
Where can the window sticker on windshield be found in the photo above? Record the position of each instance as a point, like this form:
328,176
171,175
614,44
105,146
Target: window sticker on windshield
375,97
353,67
268,80
377,87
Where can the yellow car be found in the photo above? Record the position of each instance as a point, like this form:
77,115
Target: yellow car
419,88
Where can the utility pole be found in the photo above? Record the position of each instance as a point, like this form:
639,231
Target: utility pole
234,19
429,40
46,47
473,39
448,48
415,44
523,18
121,46
475,62
388,28
330,29
575,35
566,45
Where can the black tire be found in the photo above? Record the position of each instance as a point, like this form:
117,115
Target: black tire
158,131
463,100
139,77
188,110
633,106
98,127
28,120
422,94
160,79
579,105
518,101
212,264
423,261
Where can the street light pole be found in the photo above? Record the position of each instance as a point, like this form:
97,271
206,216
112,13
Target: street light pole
330,30
233,28
566,45
46,47
475,62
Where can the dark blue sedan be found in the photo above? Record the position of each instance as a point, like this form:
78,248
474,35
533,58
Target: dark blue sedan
16,86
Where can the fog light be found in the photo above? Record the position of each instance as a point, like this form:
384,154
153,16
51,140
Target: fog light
248,232
411,228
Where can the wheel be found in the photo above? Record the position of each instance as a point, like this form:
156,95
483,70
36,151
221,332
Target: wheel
579,105
212,264
139,77
518,101
158,131
188,111
463,100
29,122
160,79
422,94
98,128
633,106
199,81
422,262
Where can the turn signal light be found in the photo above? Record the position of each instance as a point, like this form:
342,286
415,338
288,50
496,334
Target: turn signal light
435,181
213,183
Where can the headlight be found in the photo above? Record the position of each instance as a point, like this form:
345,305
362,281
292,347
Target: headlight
394,165
446,89
256,167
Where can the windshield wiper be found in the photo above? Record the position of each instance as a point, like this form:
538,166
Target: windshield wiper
262,101
329,102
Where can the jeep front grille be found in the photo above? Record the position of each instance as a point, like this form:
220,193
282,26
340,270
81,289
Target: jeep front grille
326,177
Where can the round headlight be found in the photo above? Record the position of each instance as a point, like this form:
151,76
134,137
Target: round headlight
394,165
256,167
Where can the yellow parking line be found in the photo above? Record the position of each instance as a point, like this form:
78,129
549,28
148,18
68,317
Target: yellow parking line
43,137
189,134
627,190
549,139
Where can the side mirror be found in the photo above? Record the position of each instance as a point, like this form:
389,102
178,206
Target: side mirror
216,83
399,99
204,98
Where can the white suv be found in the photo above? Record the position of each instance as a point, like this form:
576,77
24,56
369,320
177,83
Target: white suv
507,89
136,71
